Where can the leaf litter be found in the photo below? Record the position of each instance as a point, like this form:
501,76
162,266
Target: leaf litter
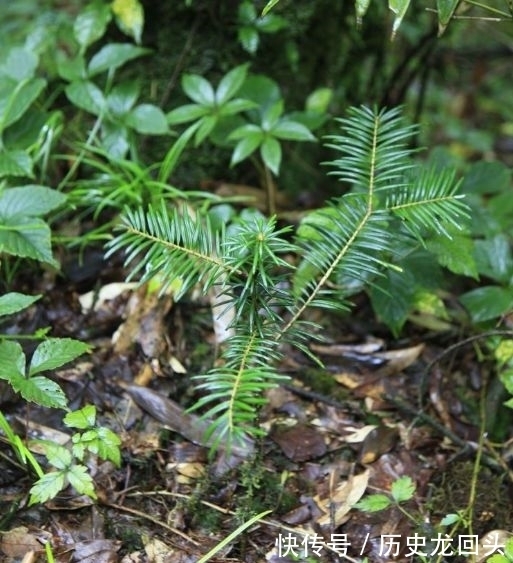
334,438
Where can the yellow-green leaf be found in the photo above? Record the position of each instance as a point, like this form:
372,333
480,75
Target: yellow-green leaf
129,16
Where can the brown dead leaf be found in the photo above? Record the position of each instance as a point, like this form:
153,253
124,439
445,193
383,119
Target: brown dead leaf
342,500
96,551
299,442
378,442
21,541
144,324
490,543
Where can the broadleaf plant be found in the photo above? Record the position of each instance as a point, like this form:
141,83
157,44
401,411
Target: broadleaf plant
352,240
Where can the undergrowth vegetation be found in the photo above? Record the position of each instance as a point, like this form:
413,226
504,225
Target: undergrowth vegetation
90,155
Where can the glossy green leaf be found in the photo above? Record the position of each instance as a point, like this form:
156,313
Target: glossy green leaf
399,7
206,126
292,131
14,302
249,39
269,6
446,9
232,107
270,151
91,23
114,55
230,84
71,69
148,119
361,9
246,146
271,114
198,89
122,97
488,302
115,139
53,353
186,113
494,258
87,96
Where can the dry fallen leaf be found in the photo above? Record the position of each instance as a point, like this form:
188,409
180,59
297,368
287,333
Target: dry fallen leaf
345,496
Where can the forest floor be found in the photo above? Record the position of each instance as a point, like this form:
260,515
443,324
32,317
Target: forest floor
379,410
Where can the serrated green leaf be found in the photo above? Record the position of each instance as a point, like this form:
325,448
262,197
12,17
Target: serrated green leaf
57,455
230,84
47,487
238,105
13,302
82,418
91,23
403,489
373,503
129,17
108,445
15,163
12,360
488,302
198,89
87,96
148,119
269,6
27,237
40,390
114,55
55,352
292,131
79,478
29,200
270,150
14,103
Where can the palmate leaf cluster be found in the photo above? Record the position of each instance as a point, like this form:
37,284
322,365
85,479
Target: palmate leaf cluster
268,281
